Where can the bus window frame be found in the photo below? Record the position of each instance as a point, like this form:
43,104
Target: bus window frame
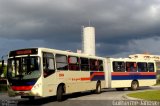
131,68
76,65
100,66
46,71
140,69
122,62
86,65
66,62
95,66
149,68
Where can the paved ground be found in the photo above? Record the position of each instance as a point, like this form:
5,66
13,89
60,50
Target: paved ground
106,98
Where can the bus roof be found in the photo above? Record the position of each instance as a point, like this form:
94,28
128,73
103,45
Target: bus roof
129,60
12,53
70,53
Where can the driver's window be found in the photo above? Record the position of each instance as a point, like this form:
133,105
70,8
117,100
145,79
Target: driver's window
13,68
51,64
17,67
48,64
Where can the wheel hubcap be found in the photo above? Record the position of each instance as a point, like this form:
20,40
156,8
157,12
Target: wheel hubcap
135,85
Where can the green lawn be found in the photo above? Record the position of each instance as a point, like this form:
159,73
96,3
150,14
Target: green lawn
147,95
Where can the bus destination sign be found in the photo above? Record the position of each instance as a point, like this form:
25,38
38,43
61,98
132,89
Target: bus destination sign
23,52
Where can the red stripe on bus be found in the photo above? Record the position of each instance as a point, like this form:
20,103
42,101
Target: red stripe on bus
132,73
21,88
94,74
85,79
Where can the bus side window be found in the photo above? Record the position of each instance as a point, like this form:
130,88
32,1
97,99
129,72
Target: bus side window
142,67
73,63
84,64
100,65
118,66
61,62
48,64
151,67
131,66
93,65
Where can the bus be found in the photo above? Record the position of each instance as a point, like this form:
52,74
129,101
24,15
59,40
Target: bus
44,72
130,73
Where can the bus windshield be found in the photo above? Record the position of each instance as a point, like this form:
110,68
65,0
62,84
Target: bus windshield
23,68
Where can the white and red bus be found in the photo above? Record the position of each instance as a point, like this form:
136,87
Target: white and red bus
47,72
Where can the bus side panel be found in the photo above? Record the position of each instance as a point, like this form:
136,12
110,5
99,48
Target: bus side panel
107,68
147,82
82,81
50,85
120,83
127,83
74,81
124,79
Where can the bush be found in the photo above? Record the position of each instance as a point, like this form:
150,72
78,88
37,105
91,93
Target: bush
4,71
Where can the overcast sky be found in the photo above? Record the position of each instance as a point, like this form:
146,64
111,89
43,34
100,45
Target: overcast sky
123,27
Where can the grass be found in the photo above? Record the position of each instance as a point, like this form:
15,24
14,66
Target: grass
147,95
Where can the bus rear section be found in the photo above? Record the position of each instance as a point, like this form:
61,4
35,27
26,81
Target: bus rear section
23,73
131,73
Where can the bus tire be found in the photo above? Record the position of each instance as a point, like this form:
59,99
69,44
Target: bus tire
134,85
98,88
60,92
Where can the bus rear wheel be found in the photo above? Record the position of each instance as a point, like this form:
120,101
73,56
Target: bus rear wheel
60,92
134,85
98,88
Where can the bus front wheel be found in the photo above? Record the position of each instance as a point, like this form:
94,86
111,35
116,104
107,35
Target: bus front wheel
60,92
134,85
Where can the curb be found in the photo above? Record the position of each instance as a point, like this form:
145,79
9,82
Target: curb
156,86
130,98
